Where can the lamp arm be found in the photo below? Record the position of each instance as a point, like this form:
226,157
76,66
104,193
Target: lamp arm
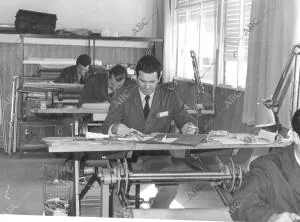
284,82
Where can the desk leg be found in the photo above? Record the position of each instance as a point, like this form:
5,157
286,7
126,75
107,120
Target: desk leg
76,184
137,196
105,200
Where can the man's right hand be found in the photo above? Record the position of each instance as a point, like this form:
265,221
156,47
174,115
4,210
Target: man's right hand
120,130
284,217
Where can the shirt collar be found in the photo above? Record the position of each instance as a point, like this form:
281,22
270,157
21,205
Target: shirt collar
142,95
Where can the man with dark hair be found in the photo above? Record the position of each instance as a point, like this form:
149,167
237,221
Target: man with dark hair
271,191
78,73
147,106
102,87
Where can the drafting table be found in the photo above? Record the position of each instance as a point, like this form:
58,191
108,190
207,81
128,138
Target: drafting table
78,145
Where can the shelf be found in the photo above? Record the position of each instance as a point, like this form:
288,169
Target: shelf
95,37
51,61
69,111
50,86
117,42
54,39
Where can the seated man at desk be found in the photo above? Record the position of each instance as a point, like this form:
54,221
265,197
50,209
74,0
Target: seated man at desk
101,87
149,107
78,73
271,191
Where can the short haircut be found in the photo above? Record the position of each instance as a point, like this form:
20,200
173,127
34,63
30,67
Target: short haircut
296,122
148,64
84,60
119,72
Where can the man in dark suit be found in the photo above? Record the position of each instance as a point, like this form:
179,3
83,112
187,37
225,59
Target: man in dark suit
102,86
78,73
149,107
271,189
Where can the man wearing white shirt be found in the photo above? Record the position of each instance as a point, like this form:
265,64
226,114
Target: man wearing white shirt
271,191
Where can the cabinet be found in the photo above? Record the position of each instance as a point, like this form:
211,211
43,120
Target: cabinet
27,128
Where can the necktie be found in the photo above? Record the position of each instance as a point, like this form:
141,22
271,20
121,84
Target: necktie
81,80
146,107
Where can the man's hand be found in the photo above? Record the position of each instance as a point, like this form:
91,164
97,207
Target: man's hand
120,130
189,128
284,217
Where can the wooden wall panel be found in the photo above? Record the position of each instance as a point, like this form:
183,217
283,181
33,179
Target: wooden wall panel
10,65
118,55
105,54
229,107
50,51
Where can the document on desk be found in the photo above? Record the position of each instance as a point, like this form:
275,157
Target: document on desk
178,139
136,136
163,138
239,138
92,135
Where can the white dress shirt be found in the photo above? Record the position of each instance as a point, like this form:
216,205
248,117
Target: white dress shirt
143,99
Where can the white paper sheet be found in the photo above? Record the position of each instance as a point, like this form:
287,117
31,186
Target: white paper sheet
92,135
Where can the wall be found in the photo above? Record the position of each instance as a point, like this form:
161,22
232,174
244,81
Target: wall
228,108
10,55
120,16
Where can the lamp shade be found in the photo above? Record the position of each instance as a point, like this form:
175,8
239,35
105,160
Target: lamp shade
264,117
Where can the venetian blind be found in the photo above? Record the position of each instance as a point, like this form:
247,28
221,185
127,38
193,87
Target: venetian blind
237,16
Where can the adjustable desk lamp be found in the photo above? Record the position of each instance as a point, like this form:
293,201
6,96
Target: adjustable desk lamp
289,76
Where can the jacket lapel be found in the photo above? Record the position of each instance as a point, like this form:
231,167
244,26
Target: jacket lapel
155,104
138,103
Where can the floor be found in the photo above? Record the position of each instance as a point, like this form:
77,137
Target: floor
21,184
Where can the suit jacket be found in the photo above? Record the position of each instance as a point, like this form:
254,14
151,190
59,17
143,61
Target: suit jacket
96,89
166,106
271,186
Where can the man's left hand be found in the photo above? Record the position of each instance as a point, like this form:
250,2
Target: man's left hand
189,128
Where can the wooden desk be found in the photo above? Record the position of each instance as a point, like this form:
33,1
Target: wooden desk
80,144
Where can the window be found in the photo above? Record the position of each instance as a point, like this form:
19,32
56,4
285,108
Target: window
236,18
196,30
207,25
